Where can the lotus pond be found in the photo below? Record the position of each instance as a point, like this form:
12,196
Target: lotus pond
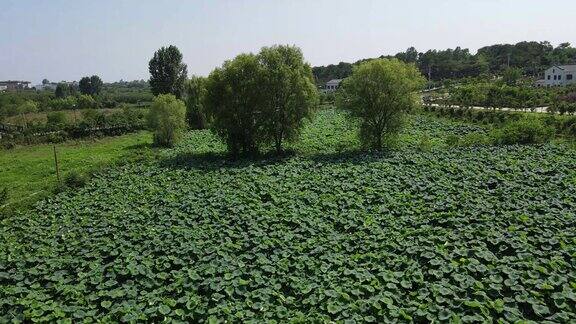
328,234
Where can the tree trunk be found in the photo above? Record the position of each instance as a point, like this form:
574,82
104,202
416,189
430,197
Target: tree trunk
278,145
278,140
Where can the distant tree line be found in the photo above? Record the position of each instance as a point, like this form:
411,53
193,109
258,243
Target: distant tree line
530,57
90,92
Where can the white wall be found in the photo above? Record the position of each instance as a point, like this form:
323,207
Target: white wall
561,77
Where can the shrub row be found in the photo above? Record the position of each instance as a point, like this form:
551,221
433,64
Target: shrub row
12,104
561,125
94,124
523,131
563,107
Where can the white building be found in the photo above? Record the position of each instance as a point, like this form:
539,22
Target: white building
11,85
558,75
333,85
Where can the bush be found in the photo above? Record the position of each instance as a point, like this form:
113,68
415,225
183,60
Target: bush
452,140
475,139
524,131
8,144
93,117
56,119
568,126
167,119
424,144
86,102
75,180
63,103
471,139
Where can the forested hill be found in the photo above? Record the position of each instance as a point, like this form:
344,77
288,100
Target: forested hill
532,57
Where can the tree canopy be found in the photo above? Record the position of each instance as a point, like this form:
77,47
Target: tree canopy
235,103
167,72
378,94
531,57
290,93
259,99
167,119
195,90
90,85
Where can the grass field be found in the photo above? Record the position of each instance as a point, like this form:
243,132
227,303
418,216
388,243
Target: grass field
29,172
330,233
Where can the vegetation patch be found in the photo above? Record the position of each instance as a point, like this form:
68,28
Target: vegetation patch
474,235
29,172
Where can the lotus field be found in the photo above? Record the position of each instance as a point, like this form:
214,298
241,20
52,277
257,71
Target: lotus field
329,233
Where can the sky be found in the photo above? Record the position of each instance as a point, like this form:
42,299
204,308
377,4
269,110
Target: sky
115,39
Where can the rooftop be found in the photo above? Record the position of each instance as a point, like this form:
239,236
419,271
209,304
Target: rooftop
567,68
13,81
334,82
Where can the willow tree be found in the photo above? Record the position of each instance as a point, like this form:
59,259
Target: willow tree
234,104
167,119
260,99
289,90
379,93
195,94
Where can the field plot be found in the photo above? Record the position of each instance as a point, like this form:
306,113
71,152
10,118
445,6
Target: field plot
461,234
29,172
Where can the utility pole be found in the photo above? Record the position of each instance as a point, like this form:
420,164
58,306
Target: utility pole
509,60
57,167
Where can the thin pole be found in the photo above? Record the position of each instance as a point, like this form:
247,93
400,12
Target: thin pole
56,162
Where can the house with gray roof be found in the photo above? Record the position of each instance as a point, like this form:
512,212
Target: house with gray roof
333,85
558,75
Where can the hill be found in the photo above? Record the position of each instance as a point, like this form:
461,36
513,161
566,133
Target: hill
531,56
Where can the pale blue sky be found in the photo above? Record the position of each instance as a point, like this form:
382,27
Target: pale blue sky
67,39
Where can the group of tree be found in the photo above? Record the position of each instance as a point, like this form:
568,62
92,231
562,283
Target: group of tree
250,101
64,90
255,100
323,74
500,95
68,96
531,58
90,85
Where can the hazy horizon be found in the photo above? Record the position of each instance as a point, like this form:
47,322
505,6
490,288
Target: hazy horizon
65,40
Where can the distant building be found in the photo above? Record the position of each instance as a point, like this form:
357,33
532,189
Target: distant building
13,85
558,75
333,85
48,86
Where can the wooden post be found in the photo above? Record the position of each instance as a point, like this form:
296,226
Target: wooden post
57,167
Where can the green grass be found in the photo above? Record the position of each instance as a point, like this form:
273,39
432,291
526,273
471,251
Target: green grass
329,233
29,172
